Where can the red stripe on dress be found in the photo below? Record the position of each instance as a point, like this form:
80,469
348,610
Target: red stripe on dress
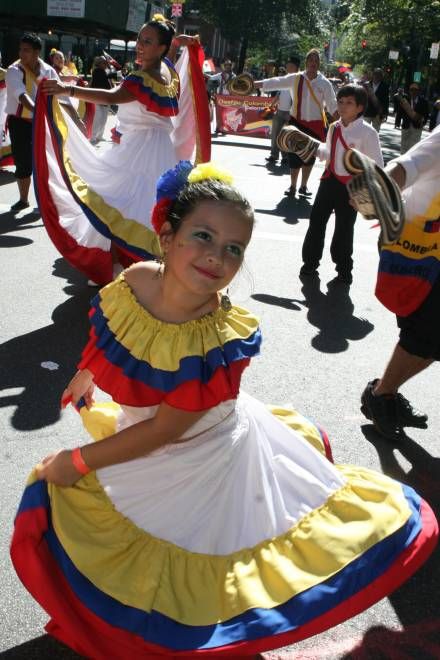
200,104
96,263
192,395
76,626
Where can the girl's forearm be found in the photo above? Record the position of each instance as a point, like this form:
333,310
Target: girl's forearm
136,441
100,96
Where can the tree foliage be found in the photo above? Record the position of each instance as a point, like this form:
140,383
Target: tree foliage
265,25
407,26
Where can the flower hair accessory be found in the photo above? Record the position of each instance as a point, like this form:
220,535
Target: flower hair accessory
171,183
160,18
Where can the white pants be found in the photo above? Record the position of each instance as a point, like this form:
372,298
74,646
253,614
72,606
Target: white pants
99,121
410,137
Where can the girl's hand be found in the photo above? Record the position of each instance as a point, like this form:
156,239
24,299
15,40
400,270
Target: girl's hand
58,469
55,87
187,40
81,385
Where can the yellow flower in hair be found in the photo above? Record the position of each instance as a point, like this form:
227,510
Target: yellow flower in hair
159,17
53,50
209,171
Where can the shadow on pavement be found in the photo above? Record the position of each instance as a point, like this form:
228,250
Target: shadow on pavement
287,303
332,314
38,405
14,241
290,209
6,177
417,601
11,223
40,647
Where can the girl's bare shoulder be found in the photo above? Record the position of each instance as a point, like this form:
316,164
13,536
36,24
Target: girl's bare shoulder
142,280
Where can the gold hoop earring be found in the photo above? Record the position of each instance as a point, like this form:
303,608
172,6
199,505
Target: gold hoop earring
225,302
160,267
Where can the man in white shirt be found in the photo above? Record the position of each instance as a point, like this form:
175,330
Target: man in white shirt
312,96
282,115
22,79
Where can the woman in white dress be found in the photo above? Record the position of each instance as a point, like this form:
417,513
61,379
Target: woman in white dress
96,206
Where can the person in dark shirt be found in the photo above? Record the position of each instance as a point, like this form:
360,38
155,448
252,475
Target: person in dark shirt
376,111
100,80
412,112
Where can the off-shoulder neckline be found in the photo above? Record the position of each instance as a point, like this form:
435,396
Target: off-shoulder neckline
210,317
165,86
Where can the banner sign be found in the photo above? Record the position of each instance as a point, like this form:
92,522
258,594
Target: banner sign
244,115
393,55
434,51
66,8
176,10
136,15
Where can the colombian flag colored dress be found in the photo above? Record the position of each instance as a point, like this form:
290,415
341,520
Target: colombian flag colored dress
242,539
94,202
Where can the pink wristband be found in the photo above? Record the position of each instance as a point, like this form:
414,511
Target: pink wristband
78,462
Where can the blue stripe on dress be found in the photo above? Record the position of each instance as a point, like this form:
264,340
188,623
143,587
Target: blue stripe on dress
255,623
193,367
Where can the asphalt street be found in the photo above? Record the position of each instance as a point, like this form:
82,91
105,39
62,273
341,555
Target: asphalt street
322,344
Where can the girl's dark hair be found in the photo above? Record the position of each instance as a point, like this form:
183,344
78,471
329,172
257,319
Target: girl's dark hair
165,31
359,93
32,39
208,190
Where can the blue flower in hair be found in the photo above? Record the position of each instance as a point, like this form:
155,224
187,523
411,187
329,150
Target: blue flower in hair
171,182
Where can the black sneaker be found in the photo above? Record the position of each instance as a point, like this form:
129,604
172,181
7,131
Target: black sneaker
410,416
20,205
304,192
382,410
290,192
271,160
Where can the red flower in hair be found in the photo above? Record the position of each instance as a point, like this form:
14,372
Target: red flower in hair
159,214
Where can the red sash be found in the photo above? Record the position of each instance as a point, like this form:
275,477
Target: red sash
331,168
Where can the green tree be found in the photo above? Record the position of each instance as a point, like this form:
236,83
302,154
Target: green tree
407,26
264,25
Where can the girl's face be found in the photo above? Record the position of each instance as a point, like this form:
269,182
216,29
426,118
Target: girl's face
148,48
58,61
208,248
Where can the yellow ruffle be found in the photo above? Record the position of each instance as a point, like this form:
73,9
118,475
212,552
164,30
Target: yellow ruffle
302,425
164,345
170,89
148,573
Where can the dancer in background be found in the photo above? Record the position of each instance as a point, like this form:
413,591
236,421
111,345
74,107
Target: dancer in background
22,79
313,97
200,523
5,143
408,284
97,206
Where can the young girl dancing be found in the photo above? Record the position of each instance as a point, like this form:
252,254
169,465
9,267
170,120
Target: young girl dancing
200,523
